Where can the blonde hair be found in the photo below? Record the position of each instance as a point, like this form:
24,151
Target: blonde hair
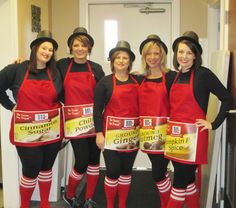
145,50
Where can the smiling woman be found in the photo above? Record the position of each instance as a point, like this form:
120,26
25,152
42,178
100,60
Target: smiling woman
80,76
116,122
36,87
44,54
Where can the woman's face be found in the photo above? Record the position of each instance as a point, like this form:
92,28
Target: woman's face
44,53
79,51
121,61
153,57
185,56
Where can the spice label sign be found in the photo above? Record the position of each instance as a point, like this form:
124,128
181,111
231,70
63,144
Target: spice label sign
181,141
152,133
78,121
36,126
122,134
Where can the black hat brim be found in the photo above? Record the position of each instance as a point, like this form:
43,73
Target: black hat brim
131,54
77,34
44,39
199,47
155,40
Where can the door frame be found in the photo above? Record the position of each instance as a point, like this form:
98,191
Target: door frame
10,162
175,8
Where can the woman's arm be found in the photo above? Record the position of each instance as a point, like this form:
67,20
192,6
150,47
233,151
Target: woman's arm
99,104
7,77
211,84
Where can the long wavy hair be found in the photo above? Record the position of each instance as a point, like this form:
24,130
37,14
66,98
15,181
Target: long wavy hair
51,64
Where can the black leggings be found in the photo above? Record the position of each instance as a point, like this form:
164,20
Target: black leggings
86,153
118,163
184,174
159,166
36,159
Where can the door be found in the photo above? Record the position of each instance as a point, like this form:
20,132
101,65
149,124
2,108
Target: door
231,131
109,23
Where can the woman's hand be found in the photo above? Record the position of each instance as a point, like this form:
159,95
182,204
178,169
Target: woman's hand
18,61
100,140
204,124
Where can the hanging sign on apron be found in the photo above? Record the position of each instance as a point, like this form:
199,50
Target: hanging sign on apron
78,121
152,133
36,126
181,141
122,133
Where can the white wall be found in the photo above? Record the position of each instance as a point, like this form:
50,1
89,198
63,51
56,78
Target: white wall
8,52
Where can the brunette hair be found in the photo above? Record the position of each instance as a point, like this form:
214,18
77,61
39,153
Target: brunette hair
113,57
198,56
145,50
83,39
51,64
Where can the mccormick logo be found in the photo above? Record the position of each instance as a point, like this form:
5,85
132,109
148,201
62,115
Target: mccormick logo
41,117
88,111
147,122
176,130
129,123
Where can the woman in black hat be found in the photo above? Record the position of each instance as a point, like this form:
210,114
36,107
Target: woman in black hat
36,129
187,132
80,76
154,110
116,123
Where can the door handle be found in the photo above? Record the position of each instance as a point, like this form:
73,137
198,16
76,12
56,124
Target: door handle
232,111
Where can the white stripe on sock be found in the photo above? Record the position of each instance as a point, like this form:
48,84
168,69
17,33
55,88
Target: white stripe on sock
93,170
45,176
111,182
76,175
28,183
124,180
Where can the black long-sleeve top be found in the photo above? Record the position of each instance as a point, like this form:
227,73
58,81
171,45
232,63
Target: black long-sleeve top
12,76
204,83
102,95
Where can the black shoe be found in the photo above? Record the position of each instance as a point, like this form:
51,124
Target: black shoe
89,203
67,200
78,203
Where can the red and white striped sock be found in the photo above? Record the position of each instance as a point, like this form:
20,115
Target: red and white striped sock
44,181
92,180
110,187
27,186
73,183
177,198
123,189
164,188
192,196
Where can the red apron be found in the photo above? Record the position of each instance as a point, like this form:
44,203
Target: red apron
184,108
123,103
153,103
79,86
36,95
79,91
